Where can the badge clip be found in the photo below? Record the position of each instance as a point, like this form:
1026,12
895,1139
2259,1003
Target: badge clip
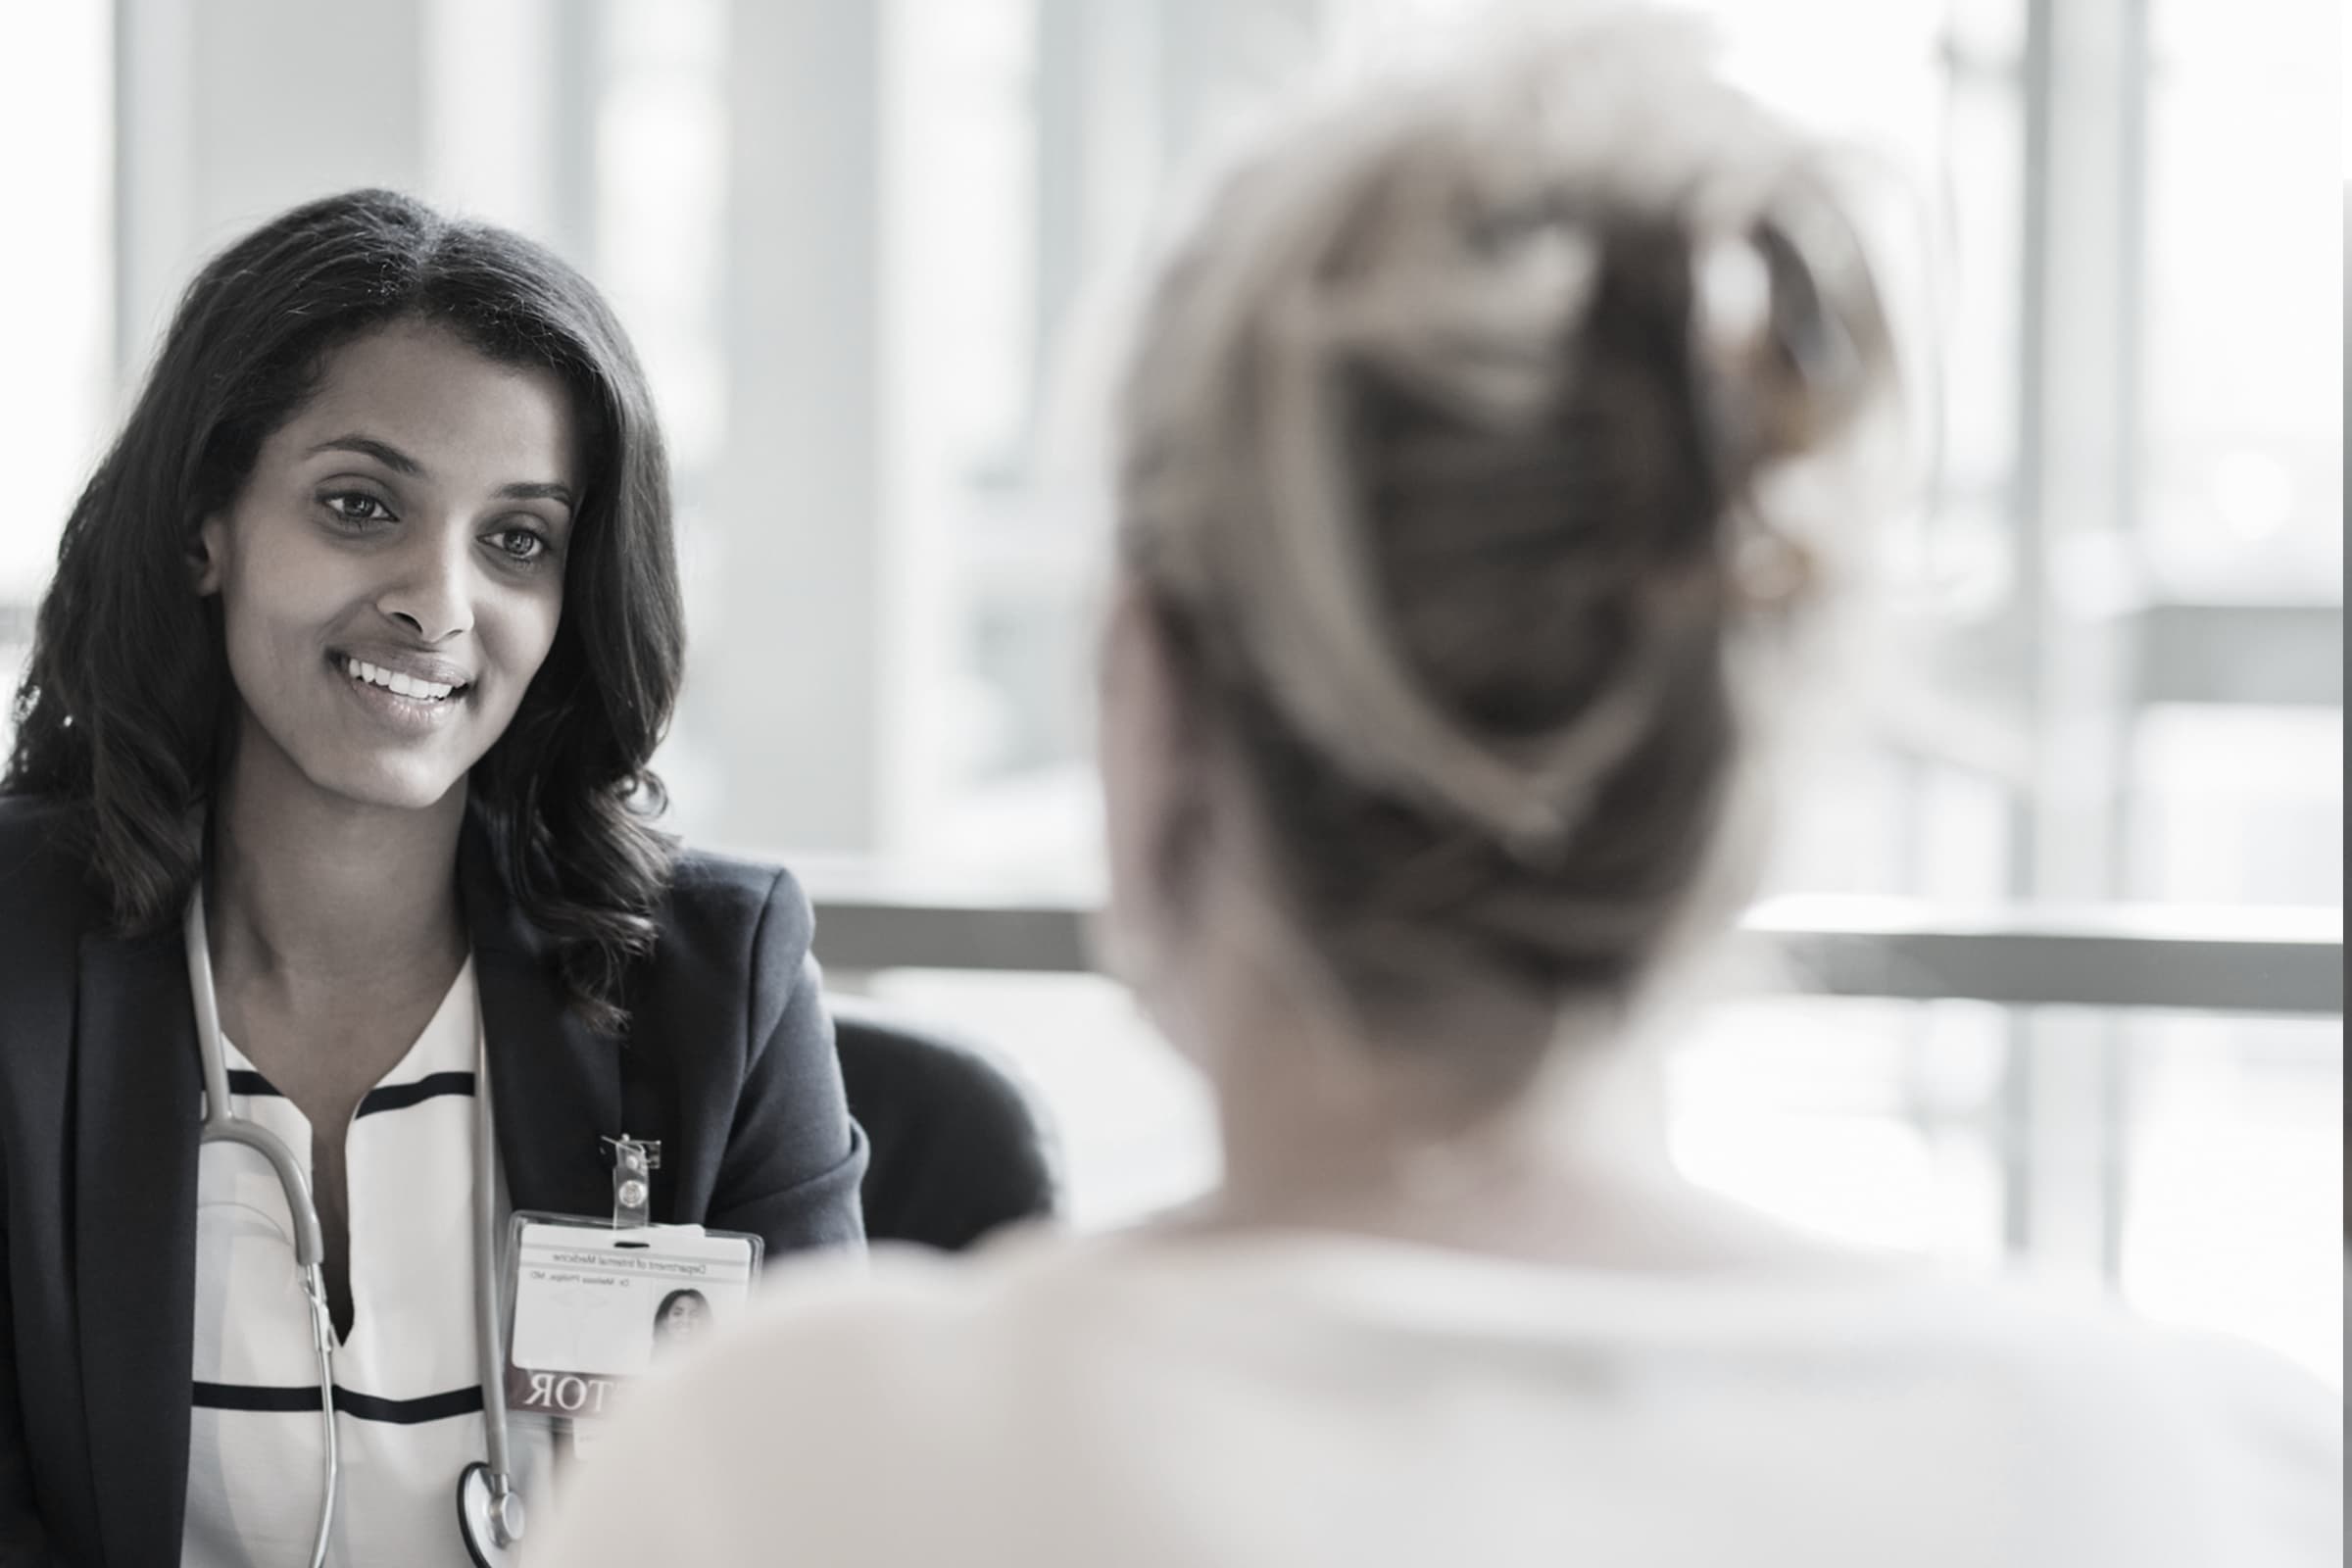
634,1161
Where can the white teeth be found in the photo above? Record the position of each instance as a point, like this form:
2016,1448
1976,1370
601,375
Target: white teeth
409,686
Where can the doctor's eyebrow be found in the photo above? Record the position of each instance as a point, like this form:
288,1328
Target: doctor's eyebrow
400,462
391,456
547,491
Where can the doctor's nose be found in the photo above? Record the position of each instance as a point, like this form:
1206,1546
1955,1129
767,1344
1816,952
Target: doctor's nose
429,595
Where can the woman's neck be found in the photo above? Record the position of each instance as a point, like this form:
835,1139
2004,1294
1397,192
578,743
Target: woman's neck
303,888
1323,1131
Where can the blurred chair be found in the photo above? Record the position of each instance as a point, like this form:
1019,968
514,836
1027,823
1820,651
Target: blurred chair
957,1148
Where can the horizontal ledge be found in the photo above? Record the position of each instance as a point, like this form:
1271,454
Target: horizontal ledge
2209,960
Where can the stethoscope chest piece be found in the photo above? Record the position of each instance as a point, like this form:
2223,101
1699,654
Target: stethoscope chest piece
492,1525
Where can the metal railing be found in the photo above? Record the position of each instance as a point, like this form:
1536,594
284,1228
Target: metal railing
2270,961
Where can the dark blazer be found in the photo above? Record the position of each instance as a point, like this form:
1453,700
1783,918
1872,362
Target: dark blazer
729,1063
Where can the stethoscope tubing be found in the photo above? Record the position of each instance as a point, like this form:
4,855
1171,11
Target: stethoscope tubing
505,1522
220,1125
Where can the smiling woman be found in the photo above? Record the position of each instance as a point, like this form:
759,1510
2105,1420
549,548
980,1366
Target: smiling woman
279,346
331,774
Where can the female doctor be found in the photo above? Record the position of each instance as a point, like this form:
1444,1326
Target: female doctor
332,757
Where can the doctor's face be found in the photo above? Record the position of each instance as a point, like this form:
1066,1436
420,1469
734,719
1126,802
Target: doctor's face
391,575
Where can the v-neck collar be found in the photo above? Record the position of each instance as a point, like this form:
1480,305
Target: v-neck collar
137,1096
440,1047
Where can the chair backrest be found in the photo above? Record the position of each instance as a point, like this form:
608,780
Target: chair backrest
957,1148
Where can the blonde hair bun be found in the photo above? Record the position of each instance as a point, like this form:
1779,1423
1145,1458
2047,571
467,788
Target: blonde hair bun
1447,429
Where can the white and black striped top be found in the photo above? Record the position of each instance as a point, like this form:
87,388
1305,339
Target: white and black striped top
406,1394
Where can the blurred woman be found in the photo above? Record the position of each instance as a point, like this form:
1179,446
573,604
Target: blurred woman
338,714
1478,507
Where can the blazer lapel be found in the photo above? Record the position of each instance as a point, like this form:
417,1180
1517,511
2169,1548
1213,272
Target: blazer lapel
554,1083
137,1115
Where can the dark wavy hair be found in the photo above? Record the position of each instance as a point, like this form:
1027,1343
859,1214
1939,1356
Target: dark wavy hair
122,706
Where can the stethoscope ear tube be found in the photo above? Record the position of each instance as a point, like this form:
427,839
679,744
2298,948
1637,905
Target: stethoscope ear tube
310,1245
505,1504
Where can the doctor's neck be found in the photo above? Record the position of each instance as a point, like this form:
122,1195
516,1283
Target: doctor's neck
300,883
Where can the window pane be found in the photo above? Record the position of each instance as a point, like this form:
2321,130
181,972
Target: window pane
56,292
2235,1180
2244,301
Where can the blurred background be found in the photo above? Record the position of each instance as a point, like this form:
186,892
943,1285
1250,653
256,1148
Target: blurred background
2053,972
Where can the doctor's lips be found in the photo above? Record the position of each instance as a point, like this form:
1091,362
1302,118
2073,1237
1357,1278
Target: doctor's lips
420,679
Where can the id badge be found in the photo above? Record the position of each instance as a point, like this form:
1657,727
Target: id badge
596,1304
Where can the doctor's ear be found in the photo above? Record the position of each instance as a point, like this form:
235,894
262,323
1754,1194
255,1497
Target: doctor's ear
204,555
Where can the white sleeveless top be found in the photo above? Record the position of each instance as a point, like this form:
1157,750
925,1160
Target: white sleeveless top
409,1403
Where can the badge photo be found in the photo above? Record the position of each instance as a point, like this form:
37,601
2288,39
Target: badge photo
595,1306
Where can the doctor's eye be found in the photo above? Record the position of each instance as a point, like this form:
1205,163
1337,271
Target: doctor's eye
523,545
356,508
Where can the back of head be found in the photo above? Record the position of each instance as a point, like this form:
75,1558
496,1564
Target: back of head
1461,461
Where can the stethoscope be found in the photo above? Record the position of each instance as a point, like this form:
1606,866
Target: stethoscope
490,1511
